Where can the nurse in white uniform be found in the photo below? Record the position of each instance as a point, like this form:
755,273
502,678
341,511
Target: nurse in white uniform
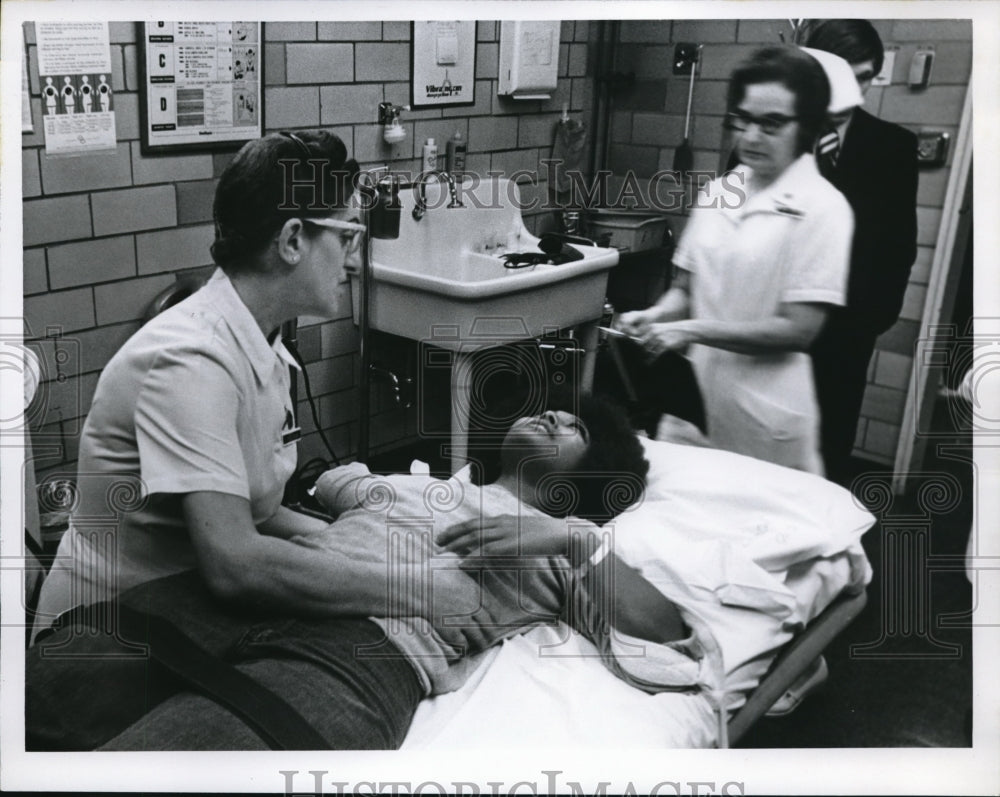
765,252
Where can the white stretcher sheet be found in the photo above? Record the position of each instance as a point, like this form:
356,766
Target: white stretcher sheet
753,549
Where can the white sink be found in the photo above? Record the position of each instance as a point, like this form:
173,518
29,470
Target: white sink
443,280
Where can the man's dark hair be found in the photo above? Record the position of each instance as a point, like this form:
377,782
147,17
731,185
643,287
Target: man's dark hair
271,180
797,71
854,40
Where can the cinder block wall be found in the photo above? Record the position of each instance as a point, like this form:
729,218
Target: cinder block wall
104,233
648,124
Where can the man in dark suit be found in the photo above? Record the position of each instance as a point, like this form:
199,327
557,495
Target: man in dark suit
876,170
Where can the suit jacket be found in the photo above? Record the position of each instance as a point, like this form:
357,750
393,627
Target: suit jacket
877,173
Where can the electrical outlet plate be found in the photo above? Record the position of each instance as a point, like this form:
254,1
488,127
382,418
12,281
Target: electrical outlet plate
685,57
932,147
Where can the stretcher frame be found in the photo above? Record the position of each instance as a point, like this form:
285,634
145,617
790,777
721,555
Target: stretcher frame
795,657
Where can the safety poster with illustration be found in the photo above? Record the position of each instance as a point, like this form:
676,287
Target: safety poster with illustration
202,83
74,67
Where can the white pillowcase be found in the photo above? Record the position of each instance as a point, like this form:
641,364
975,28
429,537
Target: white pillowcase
780,515
755,549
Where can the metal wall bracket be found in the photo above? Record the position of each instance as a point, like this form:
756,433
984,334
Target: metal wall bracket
685,57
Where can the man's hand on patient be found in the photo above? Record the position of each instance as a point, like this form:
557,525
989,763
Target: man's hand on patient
456,610
419,581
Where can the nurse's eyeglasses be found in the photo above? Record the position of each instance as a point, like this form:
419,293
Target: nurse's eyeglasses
350,236
351,231
303,148
769,125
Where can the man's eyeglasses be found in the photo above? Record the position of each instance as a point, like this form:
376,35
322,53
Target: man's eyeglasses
350,235
769,125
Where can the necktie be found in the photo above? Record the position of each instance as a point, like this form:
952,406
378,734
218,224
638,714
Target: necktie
827,150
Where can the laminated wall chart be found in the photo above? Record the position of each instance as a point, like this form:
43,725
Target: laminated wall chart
202,83
74,66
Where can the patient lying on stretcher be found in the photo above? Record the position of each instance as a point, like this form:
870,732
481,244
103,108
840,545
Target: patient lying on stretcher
721,583
314,664
551,567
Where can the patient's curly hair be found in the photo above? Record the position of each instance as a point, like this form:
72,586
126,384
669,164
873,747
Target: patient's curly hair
610,477
612,474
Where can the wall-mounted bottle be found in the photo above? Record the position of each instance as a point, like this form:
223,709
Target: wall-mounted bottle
430,156
383,221
455,155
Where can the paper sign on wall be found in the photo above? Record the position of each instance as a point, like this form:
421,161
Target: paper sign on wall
202,84
74,65
26,125
444,63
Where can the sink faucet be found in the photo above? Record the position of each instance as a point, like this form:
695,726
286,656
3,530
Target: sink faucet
420,192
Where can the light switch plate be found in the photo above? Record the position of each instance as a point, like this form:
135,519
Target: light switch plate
884,78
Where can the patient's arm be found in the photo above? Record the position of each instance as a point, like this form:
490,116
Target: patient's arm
339,489
636,607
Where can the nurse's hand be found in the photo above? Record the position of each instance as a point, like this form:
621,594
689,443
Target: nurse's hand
634,322
515,535
669,336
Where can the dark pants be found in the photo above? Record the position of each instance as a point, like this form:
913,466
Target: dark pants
667,385
90,691
840,357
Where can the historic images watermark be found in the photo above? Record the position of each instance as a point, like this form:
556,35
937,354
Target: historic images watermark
319,782
306,184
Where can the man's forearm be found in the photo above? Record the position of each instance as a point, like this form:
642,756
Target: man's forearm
287,523
281,574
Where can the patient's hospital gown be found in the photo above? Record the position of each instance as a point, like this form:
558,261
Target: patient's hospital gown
407,512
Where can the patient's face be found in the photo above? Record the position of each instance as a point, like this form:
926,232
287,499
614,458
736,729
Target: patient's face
560,436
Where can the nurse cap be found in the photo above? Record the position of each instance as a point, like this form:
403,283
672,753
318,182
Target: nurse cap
844,91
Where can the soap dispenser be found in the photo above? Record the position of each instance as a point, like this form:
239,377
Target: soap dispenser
388,117
393,132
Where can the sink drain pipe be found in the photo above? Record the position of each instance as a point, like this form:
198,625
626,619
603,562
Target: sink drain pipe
364,349
380,212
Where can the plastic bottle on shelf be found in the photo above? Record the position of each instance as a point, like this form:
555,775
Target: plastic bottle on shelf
430,156
455,155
